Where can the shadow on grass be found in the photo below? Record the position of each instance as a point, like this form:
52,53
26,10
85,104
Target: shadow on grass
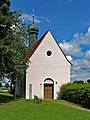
4,98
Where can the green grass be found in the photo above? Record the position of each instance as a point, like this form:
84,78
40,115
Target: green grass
5,97
2,89
22,109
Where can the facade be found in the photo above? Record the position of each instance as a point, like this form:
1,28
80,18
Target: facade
48,68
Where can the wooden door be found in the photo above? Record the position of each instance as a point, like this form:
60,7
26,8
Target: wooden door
48,91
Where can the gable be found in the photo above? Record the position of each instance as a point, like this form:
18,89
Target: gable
45,44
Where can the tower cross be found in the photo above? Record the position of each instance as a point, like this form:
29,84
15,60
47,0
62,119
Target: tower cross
33,18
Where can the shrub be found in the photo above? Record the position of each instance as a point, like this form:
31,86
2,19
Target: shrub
7,85
77,93
88,81
79,82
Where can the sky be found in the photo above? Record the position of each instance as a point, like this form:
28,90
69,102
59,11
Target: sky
69,21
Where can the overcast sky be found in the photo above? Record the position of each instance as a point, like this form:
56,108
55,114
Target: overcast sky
69,21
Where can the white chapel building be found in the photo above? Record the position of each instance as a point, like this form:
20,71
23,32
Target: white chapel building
48,68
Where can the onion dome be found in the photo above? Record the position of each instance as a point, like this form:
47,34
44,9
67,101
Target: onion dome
33,31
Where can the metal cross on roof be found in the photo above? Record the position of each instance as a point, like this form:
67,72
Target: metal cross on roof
33,18
33,15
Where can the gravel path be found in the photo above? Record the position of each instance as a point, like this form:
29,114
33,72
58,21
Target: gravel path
72,105
75,106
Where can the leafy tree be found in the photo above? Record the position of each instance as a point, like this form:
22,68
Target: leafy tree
7,85
5,23
88,81
0,84
13,47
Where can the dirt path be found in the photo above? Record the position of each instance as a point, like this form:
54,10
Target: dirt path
76,107
72,105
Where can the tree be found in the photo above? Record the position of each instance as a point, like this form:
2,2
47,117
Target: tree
7,85
13,49
0,84
88,81
5,23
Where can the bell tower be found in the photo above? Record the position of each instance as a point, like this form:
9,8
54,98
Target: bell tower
33,33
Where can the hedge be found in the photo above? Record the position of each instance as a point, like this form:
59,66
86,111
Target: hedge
76,93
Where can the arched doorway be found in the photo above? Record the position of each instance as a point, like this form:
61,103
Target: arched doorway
48,88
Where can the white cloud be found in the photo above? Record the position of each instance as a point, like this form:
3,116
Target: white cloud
83,39
71,48
80,69
86,38
37,19
43,19
87,55
69,58
27,17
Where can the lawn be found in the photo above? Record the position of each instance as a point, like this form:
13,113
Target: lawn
22,109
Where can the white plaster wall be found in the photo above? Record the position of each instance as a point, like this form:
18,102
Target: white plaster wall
42,66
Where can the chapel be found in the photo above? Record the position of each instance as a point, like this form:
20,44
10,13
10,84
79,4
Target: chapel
48,68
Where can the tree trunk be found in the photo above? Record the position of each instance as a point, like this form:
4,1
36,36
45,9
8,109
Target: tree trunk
14,89
11,91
